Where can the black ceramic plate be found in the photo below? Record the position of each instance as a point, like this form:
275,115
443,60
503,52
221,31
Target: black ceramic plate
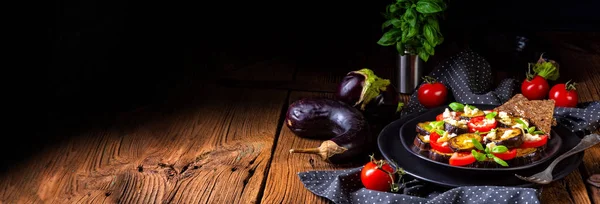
408,134
392,149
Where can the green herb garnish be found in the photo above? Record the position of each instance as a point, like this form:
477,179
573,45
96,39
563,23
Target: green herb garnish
455,106
537,132
525,126
491,115
499,149
437,125
440,132
499,161
477,155
488,152
477,144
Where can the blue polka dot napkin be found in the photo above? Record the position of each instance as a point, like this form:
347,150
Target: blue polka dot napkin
468,78
344,186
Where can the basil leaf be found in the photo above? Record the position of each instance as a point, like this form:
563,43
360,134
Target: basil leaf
400,47
491,115
455,106
500,161
471,107
410,16
440,132
413,31
538,132
499,149
429,34
423,55
525,126
530,130
489,155
395,22
437,124
487,150
400,1
477,155
389,37
428,6
428,48
477,144
393,8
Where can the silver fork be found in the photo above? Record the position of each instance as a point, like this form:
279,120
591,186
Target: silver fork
545,176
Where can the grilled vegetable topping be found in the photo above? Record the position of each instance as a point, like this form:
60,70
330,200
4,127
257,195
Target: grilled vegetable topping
509,137
464,142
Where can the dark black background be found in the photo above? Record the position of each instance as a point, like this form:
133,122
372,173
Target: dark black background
112,56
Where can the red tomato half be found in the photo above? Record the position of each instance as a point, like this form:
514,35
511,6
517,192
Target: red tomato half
562,96
508,155
477,124
377,179
433,137
462,159
533,144
535,89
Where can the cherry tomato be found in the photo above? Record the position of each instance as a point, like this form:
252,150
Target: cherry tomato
433,137
432,94
564,95
462,159
508,155
375,178
477,124
439,117
533,144
535,89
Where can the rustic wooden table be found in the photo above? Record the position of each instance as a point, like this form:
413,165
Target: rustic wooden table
224,144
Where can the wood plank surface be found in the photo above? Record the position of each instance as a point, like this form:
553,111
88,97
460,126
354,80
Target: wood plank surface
283,184
213,148
587,75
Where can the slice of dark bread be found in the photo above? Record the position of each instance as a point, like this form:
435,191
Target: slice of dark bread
509,106
539,112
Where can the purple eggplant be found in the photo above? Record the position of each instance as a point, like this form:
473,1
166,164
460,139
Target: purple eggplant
375,97
344,127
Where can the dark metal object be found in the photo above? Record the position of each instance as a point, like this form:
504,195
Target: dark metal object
410,71
545,176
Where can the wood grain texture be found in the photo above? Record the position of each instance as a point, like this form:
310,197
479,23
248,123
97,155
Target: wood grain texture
283,184
212,149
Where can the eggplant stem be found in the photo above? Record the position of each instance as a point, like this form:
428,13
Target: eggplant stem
306,150
326,150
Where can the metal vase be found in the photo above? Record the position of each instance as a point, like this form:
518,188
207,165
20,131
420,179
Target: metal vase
410,71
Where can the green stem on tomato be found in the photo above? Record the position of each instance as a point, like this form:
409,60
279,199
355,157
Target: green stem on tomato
546,69
571,86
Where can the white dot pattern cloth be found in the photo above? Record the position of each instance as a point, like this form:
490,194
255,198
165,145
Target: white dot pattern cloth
468,79
344,186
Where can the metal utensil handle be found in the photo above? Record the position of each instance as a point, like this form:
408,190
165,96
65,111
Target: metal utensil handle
587,142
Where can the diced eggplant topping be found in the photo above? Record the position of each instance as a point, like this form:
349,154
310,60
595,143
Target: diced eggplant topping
460,129
463,142
509,137
421,142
